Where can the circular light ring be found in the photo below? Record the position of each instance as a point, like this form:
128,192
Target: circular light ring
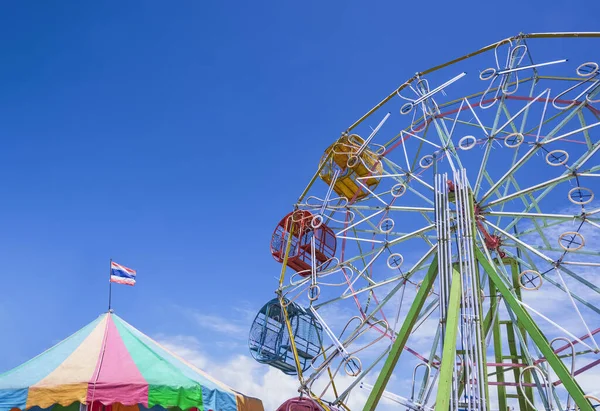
580,196
426,161
554,157
591,69
316,221
569,242
395,261
386,222
514,140
467,143
352,161
487,74
355,360
533,273
406,108
398,190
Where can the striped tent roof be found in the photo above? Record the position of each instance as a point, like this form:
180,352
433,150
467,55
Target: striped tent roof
109,362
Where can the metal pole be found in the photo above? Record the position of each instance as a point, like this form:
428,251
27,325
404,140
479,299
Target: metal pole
109,284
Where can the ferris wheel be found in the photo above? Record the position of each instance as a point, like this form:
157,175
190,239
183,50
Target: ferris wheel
446,253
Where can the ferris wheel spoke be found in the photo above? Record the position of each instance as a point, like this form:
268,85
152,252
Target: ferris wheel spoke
558,250
536,206
534,149
397,172
509,173
548,183
448,151
405,179
593,212
469,124
522,244
491,181
358,239
483,166
474,113
581,263
537,199
388,233
362,290
570,133
542,216
361,274
501,196
392,208
367,189
587,156
524,247
564,284
586,133
413,234
365,218
529,308
417,267
507,185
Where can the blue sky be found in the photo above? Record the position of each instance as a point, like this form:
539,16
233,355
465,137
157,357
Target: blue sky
173,137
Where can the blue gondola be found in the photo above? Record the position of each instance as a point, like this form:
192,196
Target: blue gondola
269,339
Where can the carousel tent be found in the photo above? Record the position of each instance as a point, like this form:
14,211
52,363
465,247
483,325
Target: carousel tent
110,363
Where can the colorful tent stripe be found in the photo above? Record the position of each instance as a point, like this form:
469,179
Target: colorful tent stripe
110,362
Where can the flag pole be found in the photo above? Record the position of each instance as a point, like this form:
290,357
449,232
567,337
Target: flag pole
109,284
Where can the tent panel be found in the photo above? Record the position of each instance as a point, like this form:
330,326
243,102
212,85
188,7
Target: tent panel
167,385
39,367
215,395
117,377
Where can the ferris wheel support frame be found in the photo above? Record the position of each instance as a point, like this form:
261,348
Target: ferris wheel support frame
536,335
527,327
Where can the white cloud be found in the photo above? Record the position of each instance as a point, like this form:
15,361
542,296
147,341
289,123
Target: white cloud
247,376
237,328
219,324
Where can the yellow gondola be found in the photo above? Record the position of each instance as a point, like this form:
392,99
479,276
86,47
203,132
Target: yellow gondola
353,164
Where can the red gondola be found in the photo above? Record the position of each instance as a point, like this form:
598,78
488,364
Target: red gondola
302,404
298,227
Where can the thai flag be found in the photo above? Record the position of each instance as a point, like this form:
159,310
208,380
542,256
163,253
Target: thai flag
121,274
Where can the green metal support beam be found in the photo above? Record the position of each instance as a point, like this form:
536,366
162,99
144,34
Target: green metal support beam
514,269
402,337
449,351
536,335
497,348
515,357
